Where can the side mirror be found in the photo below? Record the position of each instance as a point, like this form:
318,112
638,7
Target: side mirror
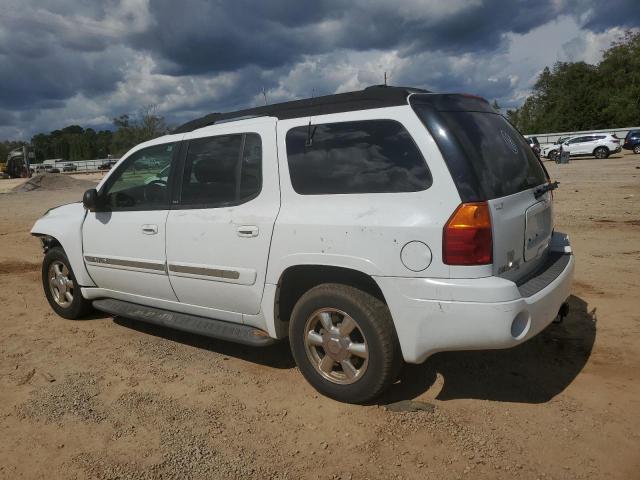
90,199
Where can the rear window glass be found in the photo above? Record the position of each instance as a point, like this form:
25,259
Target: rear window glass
372,156
501,160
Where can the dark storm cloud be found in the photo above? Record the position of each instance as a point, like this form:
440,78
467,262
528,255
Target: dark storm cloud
197,36
603,14
39,81
114,53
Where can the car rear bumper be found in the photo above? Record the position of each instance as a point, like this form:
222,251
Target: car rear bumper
432,315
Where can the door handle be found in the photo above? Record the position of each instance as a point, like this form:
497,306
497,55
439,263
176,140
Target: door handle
149,229
248,231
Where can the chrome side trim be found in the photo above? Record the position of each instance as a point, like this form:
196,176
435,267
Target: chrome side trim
114,262
207,272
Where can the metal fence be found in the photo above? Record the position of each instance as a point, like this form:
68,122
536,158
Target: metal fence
81,165
552,137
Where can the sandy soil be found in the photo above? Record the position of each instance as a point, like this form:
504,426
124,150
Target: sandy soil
110,398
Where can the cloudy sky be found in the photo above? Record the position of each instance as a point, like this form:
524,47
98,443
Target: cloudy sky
87,61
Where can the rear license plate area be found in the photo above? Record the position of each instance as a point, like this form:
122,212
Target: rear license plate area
537,233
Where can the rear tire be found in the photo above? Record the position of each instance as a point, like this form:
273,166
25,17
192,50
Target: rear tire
60,286
601,153
352,368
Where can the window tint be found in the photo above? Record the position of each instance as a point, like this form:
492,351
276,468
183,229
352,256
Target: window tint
142,182
372,156
485,149
222,170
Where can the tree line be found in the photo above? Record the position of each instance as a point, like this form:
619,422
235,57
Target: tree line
77,143
580,96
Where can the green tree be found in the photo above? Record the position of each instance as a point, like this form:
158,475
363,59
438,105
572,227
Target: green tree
579,96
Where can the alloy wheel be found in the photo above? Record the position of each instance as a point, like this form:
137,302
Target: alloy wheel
60,284
336,346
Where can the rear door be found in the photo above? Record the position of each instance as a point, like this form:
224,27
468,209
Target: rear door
220,225
490,161
592,141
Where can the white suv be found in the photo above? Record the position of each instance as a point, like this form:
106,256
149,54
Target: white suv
369,227
600,145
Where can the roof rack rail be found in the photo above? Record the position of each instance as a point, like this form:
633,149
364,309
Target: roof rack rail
375,96
235,119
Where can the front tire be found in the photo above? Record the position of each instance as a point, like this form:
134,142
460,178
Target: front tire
601,153
60,286
553,155
344,342
636,149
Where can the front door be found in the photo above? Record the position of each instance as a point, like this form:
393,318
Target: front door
577,145
124,242
219,228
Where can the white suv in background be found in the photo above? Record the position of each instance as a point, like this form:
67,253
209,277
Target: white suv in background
370,227
600,145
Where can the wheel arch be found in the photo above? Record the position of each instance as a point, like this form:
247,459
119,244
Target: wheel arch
295,280
62,226
601,147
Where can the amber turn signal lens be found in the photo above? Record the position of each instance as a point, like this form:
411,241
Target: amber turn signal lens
466,238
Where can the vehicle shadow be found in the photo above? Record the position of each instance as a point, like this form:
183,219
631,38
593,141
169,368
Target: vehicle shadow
533,372
275,356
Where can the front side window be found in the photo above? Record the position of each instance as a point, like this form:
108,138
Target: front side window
142,182
371,156
222,171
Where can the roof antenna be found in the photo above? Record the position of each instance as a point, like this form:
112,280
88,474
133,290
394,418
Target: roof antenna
310,132
264,94
385,78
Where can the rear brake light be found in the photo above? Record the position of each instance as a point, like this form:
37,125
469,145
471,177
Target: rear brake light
466,238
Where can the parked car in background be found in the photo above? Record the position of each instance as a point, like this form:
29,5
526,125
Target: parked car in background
107,165
600,145
534,144
374,236
69,167
550,150
632,141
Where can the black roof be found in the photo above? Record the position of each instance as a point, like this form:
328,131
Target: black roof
376,96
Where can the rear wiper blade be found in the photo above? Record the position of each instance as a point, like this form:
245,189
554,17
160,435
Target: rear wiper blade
542,189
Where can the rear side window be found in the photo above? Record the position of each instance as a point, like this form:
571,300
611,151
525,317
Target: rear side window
487,156
372,156
221,171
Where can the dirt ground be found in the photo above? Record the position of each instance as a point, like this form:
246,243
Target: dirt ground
110,398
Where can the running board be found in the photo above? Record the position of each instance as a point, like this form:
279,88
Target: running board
208,327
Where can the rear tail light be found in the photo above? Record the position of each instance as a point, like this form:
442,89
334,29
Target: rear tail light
466,238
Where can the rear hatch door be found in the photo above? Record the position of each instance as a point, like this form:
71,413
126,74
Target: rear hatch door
490,161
